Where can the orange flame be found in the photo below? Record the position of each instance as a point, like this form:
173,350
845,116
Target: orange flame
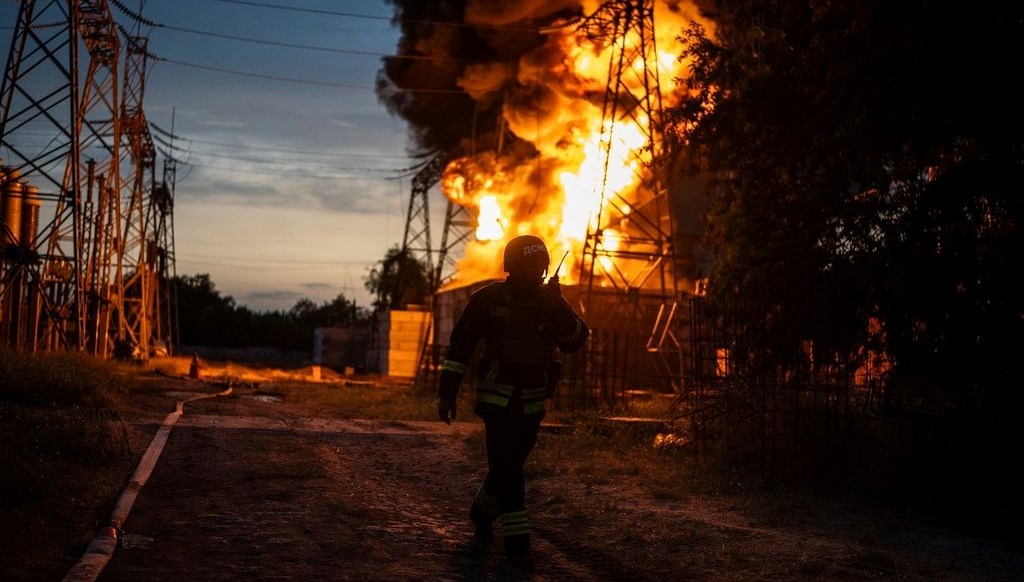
583,163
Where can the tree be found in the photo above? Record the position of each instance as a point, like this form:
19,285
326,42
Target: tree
398,279
210,319
865,166
341,311
866,169
205,316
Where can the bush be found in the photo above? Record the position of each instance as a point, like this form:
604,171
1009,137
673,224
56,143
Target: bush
60,379
56,410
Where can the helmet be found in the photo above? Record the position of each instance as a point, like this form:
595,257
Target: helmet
525,250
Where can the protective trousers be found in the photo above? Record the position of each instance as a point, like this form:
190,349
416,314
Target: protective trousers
510,438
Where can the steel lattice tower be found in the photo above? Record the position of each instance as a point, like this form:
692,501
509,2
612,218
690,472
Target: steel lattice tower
417,239
458,224
83,241
165,325
141,220
628,250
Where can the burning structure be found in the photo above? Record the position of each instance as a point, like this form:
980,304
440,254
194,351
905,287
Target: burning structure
545,118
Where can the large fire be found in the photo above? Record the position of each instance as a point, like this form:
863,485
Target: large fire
583,163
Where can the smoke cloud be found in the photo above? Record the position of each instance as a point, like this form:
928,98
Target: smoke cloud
510,91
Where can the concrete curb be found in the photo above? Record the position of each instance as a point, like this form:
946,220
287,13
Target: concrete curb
101,548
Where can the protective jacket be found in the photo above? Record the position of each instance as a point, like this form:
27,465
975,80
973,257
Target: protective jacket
520,325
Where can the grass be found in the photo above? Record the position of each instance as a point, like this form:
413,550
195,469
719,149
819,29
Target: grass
65,454
57,410
602,456
65,379
365,396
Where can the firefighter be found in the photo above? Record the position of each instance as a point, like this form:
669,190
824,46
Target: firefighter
521,322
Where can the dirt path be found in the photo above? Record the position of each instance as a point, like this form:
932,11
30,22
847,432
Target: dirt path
255,491
321,500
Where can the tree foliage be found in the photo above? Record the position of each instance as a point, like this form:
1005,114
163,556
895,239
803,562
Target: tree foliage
866,169
208,318
397,280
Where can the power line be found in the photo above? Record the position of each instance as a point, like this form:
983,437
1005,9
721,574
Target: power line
302,46
306,10
132,14
264,260
256,263
286,174
264,76
270,42
386,18
294,151
296,163
303,81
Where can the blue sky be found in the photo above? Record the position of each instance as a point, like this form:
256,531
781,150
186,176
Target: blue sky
293,185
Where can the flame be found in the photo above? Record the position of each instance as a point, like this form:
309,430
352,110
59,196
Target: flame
489,224
609,242
584,167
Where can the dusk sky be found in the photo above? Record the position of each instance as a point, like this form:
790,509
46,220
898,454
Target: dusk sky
293,184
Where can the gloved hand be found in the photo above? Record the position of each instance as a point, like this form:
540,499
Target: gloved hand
446,410
553,288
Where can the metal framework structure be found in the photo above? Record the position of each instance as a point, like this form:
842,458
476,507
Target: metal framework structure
161,247
628,283
417,238
458,224
441,265
140,222
628,250
79,211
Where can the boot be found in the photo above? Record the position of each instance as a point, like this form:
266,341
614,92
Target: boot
483,531
517,551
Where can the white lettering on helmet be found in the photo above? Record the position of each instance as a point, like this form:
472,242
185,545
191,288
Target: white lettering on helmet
534,248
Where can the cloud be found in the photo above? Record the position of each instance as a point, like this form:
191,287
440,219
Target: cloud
318,286
265,298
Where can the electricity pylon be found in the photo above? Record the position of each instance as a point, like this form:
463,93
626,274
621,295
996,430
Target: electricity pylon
459,224
64,275
141,216
166,322
628,249
416,239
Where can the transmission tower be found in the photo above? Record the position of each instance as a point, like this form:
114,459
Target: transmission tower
74,273
459,224
166,326
416,239
628,261
141,217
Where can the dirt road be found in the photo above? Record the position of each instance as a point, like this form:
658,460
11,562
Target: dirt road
246,490
329,500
